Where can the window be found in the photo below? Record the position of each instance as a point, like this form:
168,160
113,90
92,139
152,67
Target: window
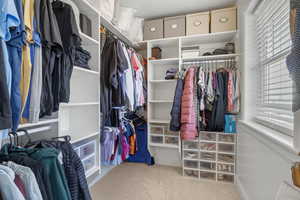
275,91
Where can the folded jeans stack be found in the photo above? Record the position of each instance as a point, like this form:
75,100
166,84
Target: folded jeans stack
82,58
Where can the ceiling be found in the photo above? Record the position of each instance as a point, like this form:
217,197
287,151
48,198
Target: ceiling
158,8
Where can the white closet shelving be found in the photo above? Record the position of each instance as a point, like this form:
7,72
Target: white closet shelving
80,117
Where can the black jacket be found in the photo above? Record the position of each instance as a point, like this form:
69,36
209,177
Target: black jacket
176,108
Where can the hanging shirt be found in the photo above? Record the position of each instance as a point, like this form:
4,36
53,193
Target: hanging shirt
8,188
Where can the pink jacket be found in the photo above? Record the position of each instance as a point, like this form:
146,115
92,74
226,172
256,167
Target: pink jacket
188,128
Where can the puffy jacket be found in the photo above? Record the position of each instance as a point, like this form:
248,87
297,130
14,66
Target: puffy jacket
188,119
175,113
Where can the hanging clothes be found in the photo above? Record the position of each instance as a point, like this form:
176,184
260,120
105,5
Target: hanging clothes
175,122
188,119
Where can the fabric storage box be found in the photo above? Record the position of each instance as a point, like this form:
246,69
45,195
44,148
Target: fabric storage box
224,20
174,26
197,23
153,29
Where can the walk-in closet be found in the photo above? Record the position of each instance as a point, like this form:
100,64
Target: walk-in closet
149,100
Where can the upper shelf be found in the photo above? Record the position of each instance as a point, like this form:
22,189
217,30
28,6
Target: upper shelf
116,31
208,58
196,39
166,61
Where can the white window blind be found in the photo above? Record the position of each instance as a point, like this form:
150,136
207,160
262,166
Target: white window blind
275,91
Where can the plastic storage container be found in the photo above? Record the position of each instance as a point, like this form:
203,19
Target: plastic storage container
174,26
209,136
171,140
191,173
224,20
197,23
159,130
157,139
153,29
190,155
191,164
225,158
208,156
87,149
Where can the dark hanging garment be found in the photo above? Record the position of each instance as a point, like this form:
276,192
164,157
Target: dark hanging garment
176,108
73,169
108,78
52,49
5,109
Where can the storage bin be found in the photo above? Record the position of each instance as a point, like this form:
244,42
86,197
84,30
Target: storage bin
153,29
190,155
174,26
191,173
157,139
226,178
190,145
208,146
156,130
207,166
89,163
228,148
171,140
226,138
225,168
208,156
209,136
225,158
197,23
191,164
224,20
87,149
208,175
169,132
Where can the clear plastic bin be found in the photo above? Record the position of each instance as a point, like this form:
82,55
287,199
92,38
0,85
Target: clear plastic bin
207,165
87,149
208,146
225,168
228,148
226,178
209,136
157,139
190,145
89,163
169,132
190,154
157,130
191,173
227,138
172,140
226,158
208,156
191,164
208,175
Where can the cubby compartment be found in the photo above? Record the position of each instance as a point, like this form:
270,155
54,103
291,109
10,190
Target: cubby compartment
207,146
190,154
228,148
160,111
208,156
208,175
171,140
169,48
156,129
89,163
226,178
209,136
230,138
191,173
191,164
157,139
159,69
226,158
162,91
190,145
169,132
225,168
94,51
208,166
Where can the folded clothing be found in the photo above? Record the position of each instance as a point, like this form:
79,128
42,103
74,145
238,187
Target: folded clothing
82,58
171,73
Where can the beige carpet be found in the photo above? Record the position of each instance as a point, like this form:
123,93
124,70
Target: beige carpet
141,182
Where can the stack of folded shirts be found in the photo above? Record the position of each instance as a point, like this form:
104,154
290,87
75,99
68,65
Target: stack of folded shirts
82,58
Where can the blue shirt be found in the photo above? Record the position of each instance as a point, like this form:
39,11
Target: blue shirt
8,18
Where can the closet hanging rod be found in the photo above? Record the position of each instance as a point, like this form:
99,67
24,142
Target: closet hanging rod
207,61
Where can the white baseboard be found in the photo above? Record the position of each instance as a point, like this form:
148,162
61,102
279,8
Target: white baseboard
241,189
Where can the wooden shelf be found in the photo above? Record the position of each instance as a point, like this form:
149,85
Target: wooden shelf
40,123
164,145
210,58
166,61
79,104
158,121
80,69
87,40
163,81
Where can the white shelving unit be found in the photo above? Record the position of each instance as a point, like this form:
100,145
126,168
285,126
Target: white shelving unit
211,157
80,117
160,91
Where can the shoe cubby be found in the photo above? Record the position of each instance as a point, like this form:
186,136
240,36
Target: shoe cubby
215,154
208,156
160,135
156,129
157,139
171,140
191,164
211,166
190,155
191,173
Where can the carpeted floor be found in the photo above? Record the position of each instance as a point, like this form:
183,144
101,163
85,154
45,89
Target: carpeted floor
141,182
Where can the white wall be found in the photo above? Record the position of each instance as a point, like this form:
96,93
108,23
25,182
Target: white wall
261,164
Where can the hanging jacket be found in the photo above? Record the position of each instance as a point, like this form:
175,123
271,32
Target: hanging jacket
176,112
188,118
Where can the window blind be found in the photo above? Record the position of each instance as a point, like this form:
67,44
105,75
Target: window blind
275,87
